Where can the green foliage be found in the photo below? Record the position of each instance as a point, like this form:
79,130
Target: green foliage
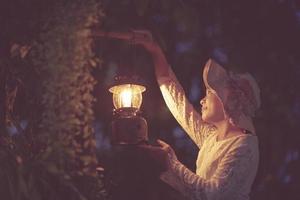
33,180
39,180
64,55
57,159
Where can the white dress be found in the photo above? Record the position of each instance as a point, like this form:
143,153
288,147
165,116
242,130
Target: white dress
225,169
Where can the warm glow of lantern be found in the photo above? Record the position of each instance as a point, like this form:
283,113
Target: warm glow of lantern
127,96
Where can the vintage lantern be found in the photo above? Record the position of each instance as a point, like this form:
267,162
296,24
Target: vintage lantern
128,126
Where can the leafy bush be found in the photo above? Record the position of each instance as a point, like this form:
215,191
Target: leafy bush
57,160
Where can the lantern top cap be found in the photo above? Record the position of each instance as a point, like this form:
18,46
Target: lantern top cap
126,81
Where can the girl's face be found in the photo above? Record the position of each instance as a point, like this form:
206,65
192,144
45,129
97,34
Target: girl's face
212,107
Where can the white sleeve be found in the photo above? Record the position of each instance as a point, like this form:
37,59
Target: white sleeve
189,119
231,174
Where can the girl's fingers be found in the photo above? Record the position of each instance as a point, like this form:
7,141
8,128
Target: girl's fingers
161,143
164,145
135,37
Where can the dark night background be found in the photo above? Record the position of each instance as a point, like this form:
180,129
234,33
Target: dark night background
260,37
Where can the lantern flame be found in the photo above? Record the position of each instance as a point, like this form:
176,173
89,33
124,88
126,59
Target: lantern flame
126,98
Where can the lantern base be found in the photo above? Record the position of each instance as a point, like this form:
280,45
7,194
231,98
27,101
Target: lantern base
129,130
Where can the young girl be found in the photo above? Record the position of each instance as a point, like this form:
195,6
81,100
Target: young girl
228,157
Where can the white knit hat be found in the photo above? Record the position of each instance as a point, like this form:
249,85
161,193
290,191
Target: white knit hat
239,93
